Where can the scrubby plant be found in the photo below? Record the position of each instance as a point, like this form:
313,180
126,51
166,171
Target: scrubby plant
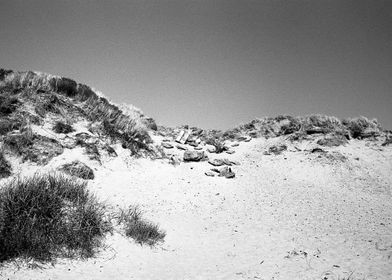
78,169
142,231
362,127
46,216
61,127
5,167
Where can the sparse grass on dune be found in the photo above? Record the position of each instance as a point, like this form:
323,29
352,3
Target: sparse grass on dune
49,94
142,231
45,216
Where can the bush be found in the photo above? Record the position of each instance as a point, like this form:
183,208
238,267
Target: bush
141,231
5,167
46,216
78,169
362,127
61,127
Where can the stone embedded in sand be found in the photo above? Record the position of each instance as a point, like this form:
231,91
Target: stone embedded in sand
230,152
235,162
277,149
180,147
210,173
235,144
216,162
198,148
194,155
167,145
332,140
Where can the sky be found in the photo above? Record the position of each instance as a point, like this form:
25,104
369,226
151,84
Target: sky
212,64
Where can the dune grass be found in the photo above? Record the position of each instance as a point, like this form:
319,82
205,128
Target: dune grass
46,216
142,231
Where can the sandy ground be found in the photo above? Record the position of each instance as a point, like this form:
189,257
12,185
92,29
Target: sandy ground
298,215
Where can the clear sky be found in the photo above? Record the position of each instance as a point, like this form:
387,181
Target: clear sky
212,63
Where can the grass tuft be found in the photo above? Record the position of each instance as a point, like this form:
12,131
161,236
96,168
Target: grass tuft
47,216
61,127
142,231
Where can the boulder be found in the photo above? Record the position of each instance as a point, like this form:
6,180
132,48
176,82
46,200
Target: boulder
194,156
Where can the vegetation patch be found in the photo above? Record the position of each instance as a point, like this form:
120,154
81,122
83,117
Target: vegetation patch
61,127
36,148
142,231
5,167
78,169
46,216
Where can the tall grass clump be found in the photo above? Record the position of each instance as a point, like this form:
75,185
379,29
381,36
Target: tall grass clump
5,167
142,231
48,216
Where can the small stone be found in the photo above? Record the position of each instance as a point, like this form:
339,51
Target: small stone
180,147
230,152
235,144
216,162
167,145
210,173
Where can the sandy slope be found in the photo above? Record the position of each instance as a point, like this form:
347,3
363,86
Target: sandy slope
290,216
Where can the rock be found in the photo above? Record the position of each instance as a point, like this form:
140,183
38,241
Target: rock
317,150
277,149
166,140
78,169
110,150
198,148
167,145
226,172
210,173
211,150
216,162
235,144
235,162
194,156
332,141
193,144
230,152
227,161
180,147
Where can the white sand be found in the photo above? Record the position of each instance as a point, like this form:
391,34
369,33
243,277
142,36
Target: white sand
340,214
